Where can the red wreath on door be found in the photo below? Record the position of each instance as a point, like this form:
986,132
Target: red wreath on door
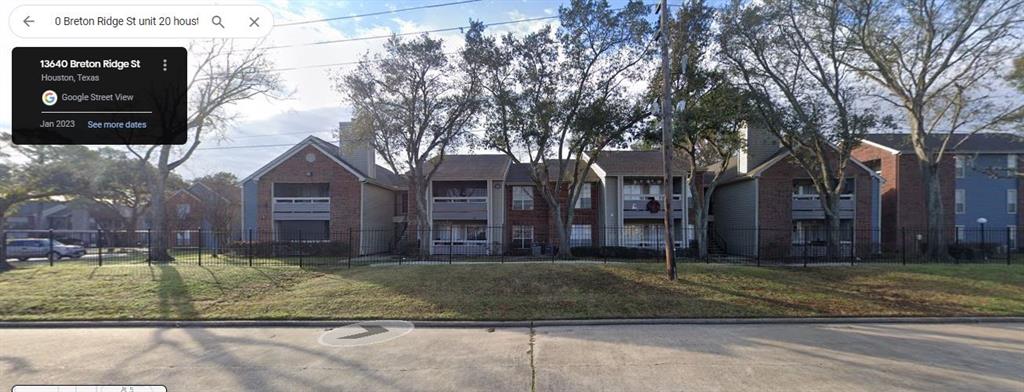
653,206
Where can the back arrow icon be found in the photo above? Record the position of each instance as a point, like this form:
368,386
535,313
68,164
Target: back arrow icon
27,21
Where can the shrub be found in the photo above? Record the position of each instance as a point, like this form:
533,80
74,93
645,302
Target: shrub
615,252
289,248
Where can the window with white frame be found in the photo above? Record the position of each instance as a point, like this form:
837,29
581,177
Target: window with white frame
961,170
184,210
522,198
581,235
183,238
522,236
1011,201
1011,236
1011,164
960,204
584,201
457,232
961,236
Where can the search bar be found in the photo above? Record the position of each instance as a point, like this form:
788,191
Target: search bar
141,21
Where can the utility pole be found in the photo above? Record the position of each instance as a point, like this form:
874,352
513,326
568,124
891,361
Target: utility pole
666,138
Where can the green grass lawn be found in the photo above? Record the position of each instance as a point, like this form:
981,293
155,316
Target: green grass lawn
505,292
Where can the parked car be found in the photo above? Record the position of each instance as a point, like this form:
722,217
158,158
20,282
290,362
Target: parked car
25,248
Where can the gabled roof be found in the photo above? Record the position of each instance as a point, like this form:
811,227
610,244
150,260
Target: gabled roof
385,177
472,167
636,163
519,173
982,142
732,174
198,188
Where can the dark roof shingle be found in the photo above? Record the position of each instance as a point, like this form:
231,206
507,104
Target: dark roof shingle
981,142
636,163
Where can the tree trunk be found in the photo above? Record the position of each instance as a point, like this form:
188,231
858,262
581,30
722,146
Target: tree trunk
424,227
4,266
937,243
563,227
158,226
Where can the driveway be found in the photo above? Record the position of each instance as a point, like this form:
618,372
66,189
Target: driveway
801,357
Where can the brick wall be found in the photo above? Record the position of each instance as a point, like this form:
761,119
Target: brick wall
344,191
542,220
775,192
192,221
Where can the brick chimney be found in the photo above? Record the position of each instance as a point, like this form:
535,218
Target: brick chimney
760,145
357,149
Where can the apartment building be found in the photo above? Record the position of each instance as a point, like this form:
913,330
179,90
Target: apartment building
766,205
980,179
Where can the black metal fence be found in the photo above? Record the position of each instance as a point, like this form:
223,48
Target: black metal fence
451,244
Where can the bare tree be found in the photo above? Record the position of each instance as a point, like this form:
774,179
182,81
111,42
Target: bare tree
224,76
554,98
937,62
416,104
791,56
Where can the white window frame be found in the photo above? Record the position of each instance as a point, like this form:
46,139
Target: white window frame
518,234
1012,229
961,166
581,235
960,202
1011,163
183,236
522,203
585,193
183,212
1011,201
961,236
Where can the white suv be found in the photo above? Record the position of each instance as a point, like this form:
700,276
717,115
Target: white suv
25,248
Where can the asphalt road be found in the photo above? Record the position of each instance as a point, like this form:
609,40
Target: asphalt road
815,357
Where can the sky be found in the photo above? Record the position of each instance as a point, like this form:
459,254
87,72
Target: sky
313,107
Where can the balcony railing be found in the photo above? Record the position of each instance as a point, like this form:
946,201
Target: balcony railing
635,206
302,208
809,207
460,208
461,247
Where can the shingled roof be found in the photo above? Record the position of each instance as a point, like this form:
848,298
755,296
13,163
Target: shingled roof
983,142
637,163
472,167
519,173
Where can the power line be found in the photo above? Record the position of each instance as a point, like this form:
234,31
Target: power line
376,13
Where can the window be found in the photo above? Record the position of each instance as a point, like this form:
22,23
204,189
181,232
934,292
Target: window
445,231
960,166
1011,164
522,237
1011,236
522,198
960,234
633,191
580,236
960,205
584,201
184,209
183,238
1011,201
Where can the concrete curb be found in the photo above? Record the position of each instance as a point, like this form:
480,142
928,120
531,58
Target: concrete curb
503,324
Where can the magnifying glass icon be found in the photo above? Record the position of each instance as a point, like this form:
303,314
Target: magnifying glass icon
217,22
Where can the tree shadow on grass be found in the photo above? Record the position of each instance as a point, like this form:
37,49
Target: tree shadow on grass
174,299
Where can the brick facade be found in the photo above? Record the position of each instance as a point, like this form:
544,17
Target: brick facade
775,203
903,193
542,220
344,190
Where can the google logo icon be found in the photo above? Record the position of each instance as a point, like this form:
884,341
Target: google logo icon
49,98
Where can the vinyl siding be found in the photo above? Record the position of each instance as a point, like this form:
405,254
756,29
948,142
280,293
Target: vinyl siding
735,213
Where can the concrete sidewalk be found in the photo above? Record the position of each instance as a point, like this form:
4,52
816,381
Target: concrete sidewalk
801,357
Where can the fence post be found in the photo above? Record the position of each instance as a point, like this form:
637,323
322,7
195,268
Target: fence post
1007,246
149,247
50,254
99,245
200,233
3,245
757,253
903,254
249,246
350,247
299,234
451,242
